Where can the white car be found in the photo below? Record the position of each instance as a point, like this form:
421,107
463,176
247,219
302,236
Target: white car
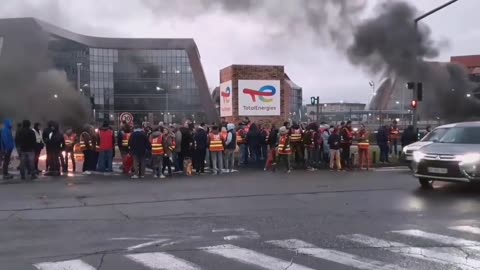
431,137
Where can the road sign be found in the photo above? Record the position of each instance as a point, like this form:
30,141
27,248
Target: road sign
126,117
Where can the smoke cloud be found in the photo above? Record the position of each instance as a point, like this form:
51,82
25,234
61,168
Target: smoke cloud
43,96
31,88
389,43
385,43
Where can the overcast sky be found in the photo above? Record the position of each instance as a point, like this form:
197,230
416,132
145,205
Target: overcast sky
224,39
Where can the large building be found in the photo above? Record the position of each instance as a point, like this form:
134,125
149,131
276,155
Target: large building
153,79
336,111
296,97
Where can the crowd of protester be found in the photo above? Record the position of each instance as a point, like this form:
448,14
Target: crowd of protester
191,149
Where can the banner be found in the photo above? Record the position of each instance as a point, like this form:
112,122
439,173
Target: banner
258,97
226,106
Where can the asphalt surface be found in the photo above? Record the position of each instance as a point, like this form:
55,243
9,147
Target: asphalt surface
348,220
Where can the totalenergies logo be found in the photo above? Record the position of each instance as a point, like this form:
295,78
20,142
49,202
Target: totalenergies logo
226,95
262,93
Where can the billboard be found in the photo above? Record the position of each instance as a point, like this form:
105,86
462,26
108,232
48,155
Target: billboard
226,104
258,97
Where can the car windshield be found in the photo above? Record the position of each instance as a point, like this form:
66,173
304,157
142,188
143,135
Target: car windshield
435,135
462,135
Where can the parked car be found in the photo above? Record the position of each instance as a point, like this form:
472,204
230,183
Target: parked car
453,157
429,138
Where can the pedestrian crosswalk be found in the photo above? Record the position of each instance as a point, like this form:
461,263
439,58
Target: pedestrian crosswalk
445,252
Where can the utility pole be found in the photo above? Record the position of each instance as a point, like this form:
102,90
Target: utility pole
416,71
316,101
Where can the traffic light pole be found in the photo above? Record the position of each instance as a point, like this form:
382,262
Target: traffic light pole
415,110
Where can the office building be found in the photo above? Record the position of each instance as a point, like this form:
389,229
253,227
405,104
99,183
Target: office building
153,79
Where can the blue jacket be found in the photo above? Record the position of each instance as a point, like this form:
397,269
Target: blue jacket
8,144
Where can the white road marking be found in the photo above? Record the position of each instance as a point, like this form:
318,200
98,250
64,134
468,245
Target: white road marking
243,233
333,255
447,240
447,258
65,265
254,258
162,261
151,243
469,229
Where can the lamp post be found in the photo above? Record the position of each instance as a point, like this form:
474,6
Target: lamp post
79,65
418,19
372,84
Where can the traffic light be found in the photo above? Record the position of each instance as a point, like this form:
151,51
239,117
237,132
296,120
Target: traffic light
414,104
410,85
419,91
314,100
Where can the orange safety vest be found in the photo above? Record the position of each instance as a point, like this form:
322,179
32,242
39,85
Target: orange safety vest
395,133
284,146
224,135
126,137
216,143
70,140
241,137
363,142
157,146
83,143
296,136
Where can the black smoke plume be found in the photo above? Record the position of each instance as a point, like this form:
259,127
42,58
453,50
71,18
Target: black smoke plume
31,88
386,43
389,43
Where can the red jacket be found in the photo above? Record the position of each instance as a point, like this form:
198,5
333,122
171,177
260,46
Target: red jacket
107,139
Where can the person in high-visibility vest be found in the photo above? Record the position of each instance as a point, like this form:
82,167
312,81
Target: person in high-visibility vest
70,140
363,147
158,152
216,147
394,138
296,137
284,150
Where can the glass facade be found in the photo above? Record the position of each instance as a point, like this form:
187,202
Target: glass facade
154,84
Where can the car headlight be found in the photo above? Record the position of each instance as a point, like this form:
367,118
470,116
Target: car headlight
418,156
469,158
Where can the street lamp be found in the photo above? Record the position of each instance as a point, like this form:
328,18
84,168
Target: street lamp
55,96
79,65
372,84
469,95
418,19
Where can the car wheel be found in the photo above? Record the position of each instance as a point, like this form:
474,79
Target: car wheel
426,183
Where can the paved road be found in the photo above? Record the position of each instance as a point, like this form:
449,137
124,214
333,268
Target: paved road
247,220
